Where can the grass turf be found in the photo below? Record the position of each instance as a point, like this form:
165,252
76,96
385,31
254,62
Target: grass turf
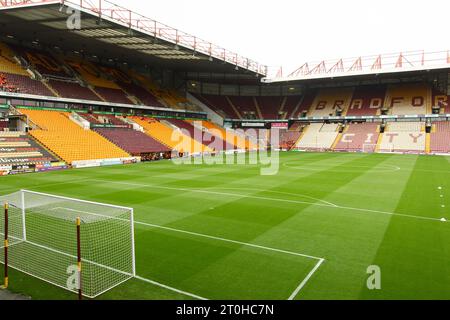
332,206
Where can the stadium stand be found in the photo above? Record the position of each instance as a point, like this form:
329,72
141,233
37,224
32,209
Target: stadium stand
231,138
220,104
408,137
18,148
305,105
73,90
167,136
318,136
68,140
245,105
107,89
359,137
440,137
269,106
367,101
409,99
328,101
43,63
288,139
104,119
291,103
215,142
442,101
134,142
8,63
145,97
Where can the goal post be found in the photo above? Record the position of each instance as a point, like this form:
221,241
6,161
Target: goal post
46,241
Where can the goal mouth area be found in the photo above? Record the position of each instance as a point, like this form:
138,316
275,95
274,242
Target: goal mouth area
43,241
48,265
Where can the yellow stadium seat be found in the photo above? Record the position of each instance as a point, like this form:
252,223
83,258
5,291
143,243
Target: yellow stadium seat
68,140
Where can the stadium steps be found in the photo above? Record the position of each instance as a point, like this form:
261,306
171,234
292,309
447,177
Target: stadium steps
51,89
338,138
379,142
428,144
90,87
305,129
258,108
283,103
230,137
164,133
233,107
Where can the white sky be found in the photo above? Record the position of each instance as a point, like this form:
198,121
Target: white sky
290,32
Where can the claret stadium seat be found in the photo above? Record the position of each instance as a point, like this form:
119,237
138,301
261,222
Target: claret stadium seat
440,137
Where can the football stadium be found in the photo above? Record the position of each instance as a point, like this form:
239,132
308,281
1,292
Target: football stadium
140,162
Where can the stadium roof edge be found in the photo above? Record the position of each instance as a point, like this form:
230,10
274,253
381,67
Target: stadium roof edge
396,63
130,20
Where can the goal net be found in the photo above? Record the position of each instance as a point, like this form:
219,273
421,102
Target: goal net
43,241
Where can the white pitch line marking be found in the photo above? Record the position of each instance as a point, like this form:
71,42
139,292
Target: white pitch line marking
305,281
229,240
269,199
321,260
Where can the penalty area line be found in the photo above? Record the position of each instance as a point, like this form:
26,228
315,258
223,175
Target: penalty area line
305,281
169,288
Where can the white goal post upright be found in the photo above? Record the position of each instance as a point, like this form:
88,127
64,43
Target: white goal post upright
44,244
24,226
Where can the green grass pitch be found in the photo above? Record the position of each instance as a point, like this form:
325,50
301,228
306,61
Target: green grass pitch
309,232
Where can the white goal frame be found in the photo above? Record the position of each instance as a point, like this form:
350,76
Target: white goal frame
20,206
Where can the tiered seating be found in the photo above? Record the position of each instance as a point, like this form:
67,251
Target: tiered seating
4,124
440,138
69,141
245,105
288,139
73,90
143,95
409,99
26,85
15,78
359,137
106,88
109,119
269,106
219,104
290,104
169,137
441,100
113,95
214,142
367,101
134,142
318,136
7,62
404,137
19,148
328,101
90,117
43,63
305,106
232,140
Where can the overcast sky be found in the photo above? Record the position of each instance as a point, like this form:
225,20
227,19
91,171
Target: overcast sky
290,32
